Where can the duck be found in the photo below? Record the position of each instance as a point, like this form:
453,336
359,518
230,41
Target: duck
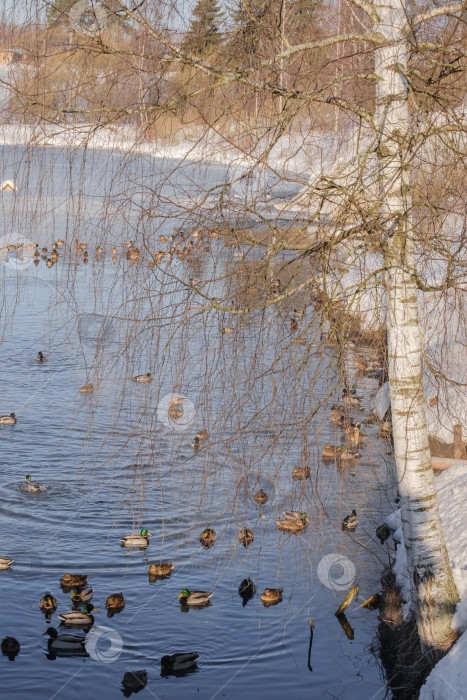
134,681
141,540
208,537
350,399
143,378
178,663
227,331
40,357
5,563
298,314
296,515
344,454
8,420
291,525
83,595
73,580
329,451
383,532
79,618
338,416
202,434
64,642
29,487
162,569
353,436
260,497
301,473
246,590
246,536
10,647
87,389
293,325
116,601
47,603
194,597
196,443
350,522
174,411
271,596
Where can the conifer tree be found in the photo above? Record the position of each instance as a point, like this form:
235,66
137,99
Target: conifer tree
205,33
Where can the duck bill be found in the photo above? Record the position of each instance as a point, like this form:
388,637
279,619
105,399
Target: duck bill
180,596
149,534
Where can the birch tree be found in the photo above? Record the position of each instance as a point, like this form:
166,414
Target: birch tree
426,550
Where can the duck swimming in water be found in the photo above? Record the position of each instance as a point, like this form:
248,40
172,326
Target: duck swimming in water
40,357
141,540
29,487
79,618
350,522
48,603
194,597
8,420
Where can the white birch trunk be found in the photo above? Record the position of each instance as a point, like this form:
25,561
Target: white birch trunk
427,556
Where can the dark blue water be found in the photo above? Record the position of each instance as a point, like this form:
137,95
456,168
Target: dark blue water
111,463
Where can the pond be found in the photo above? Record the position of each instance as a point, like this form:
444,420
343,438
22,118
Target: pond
116,460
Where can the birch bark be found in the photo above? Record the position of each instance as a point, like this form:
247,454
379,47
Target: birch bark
433,585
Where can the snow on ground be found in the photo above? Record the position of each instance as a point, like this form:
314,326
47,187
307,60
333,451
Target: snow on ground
448,680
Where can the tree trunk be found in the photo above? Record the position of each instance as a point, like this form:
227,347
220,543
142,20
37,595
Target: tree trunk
427,557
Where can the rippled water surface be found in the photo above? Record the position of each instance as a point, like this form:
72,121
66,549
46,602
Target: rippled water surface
111,465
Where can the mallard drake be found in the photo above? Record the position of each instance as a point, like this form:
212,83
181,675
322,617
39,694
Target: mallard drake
344,454
29,487
291,525
10,647
271,596
79,618
143,378
8,420
141,540
40,357
297,515
329,451
73,580
301,473
260,497
87,389
246,590
5,563
162,569
48,603
116,601
82,595
65,643
134,681
208,537
178,663
350,522
245,536
194,597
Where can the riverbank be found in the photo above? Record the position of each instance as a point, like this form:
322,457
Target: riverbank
448,679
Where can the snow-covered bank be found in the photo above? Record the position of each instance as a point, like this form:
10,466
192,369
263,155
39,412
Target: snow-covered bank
449,677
